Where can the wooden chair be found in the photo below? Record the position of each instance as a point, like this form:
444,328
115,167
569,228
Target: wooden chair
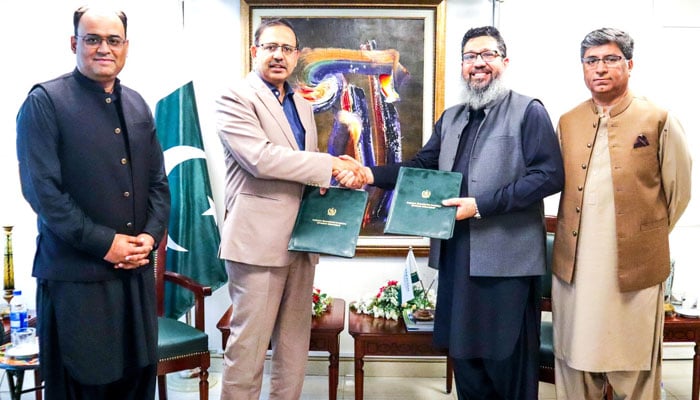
181,346
546,330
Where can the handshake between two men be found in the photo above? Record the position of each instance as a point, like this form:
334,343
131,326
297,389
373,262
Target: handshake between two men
351,173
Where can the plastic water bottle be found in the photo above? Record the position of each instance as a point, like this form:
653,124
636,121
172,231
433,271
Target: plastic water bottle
18,312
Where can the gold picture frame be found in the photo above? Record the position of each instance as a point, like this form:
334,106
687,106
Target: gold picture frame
412,31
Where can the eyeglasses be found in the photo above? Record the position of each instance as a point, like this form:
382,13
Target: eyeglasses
272,47
487,55
91,40
609,60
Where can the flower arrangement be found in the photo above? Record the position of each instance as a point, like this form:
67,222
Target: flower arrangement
387,302
320,302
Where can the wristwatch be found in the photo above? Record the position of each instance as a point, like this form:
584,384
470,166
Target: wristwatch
477,215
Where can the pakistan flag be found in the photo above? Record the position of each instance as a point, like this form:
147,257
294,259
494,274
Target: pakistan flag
193,236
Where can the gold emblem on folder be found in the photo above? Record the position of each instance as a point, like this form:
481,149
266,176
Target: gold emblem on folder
331,211
425,194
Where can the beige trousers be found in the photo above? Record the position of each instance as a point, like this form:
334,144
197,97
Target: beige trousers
572,384
270,305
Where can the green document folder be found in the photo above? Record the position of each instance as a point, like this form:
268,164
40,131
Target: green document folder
329,224
416,206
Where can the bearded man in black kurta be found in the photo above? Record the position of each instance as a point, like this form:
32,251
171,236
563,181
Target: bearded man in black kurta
487,313
92,169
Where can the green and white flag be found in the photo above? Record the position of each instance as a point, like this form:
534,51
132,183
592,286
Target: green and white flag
409,277
193,236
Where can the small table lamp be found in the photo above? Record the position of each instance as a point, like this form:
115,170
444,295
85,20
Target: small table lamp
8,272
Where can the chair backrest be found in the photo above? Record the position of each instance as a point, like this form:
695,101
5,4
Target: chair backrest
198,290
159,271
551,223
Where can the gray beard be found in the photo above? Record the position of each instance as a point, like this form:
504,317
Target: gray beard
477,99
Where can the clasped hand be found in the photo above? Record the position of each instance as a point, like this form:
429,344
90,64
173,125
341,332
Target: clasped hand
130,252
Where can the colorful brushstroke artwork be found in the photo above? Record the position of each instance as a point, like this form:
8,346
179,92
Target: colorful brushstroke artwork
357,96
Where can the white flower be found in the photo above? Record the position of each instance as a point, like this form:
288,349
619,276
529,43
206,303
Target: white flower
432,297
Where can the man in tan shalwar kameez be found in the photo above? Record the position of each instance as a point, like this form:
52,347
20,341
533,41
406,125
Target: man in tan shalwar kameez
627,182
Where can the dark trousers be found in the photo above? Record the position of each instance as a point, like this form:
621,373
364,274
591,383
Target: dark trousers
136,385
512,378
131,383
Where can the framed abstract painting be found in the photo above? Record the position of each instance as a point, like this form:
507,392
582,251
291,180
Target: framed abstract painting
373,73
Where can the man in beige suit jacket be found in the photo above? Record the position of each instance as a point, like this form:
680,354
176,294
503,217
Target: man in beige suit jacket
270,145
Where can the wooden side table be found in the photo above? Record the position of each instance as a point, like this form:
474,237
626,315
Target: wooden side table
15,368
383,337
680,329
325,331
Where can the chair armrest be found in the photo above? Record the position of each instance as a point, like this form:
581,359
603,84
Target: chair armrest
197,289
187,283
224,325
